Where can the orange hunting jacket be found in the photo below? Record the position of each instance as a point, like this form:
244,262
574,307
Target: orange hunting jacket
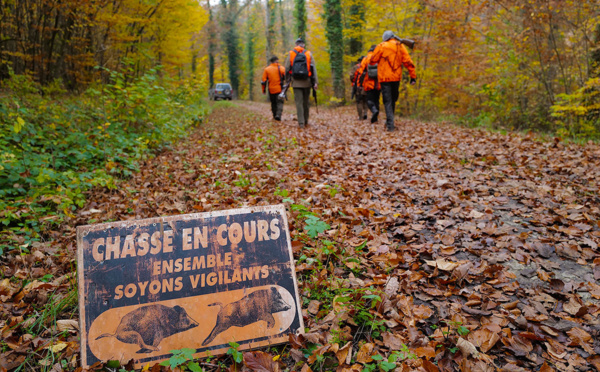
274,74
390,56
368,84
299,49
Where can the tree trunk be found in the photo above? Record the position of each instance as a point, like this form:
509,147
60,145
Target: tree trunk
285,37
270,8
231,39
355,26
211,47
300,17
335,40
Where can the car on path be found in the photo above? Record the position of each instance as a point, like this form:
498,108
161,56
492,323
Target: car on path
221,91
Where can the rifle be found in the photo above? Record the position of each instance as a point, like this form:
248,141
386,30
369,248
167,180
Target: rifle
283,95
409,43
315,97
353,91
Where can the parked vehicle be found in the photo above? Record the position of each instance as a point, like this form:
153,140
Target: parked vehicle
221,91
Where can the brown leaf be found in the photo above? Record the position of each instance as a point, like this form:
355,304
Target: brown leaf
519,345
427,352
306,368
313,337
364,354
318,352
443,264
422,312
260,362
429,366
313,307
392,286
484,339
343,355
433,291
511,367
297,246
392,341
470,365
546,368
467,348
67,325
572,307
447,239
297,355
581,338
297,341
354,368
471,311
548,330
555,349
595,361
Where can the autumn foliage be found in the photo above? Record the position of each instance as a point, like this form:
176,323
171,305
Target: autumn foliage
435,248
66,39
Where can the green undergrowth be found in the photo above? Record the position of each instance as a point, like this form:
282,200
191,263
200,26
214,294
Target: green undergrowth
580,133
55,146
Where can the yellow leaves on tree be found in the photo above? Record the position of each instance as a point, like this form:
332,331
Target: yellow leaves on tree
152,33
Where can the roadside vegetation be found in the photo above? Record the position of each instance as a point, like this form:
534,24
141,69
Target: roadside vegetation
56,146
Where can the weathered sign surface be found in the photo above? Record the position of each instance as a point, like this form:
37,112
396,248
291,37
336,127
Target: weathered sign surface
191,281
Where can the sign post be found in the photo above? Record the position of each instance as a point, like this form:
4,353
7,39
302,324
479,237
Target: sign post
190,281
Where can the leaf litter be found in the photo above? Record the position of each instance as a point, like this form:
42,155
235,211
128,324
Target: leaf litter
433,248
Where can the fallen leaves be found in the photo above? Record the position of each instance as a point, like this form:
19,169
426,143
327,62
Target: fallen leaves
443,264
484,339
467,348
259,361
443,244
364,355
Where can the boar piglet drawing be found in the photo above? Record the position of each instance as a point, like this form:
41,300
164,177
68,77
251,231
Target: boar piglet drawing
258,305
148,326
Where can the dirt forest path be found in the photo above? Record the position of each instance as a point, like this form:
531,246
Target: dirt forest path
481,249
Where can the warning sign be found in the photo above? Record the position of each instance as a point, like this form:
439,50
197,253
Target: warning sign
191,281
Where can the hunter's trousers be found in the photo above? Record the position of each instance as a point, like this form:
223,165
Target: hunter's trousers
390,92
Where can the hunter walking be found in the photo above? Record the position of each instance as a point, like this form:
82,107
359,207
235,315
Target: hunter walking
390,56
357,92
369,84
302,75
273,76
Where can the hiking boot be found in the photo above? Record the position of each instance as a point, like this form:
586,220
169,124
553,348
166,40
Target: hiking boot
392,129
365,117
278,119
374,117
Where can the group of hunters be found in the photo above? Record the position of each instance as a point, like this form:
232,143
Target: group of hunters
377,73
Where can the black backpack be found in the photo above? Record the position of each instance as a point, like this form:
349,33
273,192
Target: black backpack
300,66
372,71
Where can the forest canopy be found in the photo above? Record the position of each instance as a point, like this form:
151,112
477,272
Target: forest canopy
505,64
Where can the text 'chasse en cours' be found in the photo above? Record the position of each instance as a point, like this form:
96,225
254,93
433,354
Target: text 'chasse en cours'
142,244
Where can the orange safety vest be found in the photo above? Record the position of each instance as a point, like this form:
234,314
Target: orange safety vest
274,73
390,56
293,53
367,83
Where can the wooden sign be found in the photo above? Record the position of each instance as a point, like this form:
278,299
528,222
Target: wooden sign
194,281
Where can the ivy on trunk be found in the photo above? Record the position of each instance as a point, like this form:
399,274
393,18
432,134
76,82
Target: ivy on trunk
334,30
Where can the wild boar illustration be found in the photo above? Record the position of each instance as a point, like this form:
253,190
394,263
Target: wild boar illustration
149,325
258,305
